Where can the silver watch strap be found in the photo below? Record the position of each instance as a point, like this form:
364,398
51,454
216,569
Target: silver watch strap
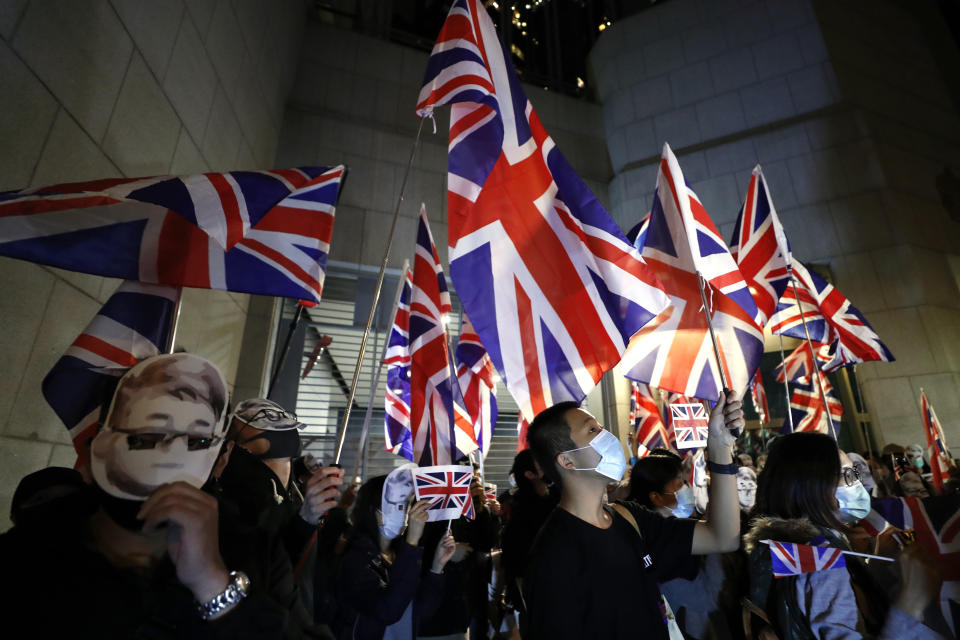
235,591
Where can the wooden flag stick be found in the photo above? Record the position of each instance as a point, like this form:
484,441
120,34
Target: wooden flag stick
713,338
786,386
813,355
376,378
850,553
376,297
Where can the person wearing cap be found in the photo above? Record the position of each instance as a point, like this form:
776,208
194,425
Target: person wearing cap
140,550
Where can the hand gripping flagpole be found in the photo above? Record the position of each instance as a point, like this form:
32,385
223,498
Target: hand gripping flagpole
813,355
786,385
376,378
376,297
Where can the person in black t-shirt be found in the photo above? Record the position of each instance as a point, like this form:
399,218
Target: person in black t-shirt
591,573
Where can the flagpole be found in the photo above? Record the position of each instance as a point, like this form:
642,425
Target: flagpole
174,322
376,378
863,403
813,355
713,338
294,323
786,386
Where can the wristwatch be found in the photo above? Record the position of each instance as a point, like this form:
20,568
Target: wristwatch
728,469
235,591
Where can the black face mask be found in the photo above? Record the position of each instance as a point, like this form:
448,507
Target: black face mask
283,444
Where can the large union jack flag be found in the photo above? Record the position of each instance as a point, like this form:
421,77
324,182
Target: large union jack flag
552,286
265,232
807,408
649,431
448,489
799,364
830,318
792,559
398,438
674,352
759,396
936,522
477,379
941,460
760,247
132,325
441,429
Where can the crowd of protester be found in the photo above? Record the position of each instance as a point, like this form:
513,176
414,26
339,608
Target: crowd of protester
185,518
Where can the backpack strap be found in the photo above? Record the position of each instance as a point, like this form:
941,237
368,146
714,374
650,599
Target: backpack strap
626,515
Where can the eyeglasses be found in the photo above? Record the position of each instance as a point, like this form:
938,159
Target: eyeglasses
273,415
142,441
850,476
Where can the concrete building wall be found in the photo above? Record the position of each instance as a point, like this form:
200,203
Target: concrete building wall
99,89
844,107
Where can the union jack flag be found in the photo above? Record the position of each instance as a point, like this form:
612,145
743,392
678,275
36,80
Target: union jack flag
674,352
441,429
830,318
690,424
799,364
936,522
448,489
398,438
941,459
552,286
759,396
132,326
807,408
522,426
792,559
265,232
477,376
760,248
649,431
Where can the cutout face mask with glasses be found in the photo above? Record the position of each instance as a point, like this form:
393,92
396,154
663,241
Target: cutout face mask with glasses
165,424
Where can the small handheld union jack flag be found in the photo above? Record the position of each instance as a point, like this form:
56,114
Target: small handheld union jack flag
448,489
690,424
791,559
940,458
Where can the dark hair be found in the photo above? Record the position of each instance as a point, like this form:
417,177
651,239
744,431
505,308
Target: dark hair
653,473
800,479
549,434
365,507
523,462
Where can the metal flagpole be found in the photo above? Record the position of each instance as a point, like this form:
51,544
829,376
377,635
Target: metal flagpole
286,348
786,386
813,355
376,297
863,404
376,378
174,321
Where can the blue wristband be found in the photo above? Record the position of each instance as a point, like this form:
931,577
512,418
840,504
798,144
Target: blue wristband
727,469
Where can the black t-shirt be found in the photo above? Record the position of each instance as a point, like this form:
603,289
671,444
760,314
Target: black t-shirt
587,582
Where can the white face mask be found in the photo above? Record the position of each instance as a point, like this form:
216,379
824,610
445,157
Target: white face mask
612,464
685,500
165,424
854,502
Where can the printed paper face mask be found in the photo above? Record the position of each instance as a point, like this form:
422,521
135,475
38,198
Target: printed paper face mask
612,464
397,490
746,487
165,424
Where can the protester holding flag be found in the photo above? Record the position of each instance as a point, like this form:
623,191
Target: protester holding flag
808,494
381,588
594,568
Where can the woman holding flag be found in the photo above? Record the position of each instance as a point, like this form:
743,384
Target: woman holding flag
809,493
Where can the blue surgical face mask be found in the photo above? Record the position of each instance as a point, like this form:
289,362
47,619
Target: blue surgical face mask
854,502
612,463
685,502
918,463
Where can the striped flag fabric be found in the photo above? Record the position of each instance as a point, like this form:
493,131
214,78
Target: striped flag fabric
265,232
806,405
552,286
440,427
645,420
793,559
398,438
448,489
522,427
759,396
476,376
675,352
831,319
760,247
799,364
133,325
941,460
